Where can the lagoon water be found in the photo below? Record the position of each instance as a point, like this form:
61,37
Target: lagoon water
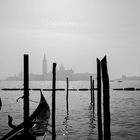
81,122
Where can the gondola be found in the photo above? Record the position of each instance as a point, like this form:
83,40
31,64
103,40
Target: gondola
38,122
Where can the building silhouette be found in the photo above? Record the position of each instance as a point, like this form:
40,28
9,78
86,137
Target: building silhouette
61,74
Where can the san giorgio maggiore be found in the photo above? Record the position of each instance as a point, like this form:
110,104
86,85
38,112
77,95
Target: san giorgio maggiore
61,74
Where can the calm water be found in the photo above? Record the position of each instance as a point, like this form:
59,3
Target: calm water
81,122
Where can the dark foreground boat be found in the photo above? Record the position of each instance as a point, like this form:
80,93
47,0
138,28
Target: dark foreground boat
38,123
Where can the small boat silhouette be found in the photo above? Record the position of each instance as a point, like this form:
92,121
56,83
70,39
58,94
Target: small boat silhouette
38,123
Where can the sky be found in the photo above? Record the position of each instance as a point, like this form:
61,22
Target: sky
70,32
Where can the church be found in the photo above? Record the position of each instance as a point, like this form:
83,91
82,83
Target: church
61,74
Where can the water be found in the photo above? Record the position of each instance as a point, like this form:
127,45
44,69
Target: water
81,122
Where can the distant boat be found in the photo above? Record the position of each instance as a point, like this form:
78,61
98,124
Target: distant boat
38,123
120,81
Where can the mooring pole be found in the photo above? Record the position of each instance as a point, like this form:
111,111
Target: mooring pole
67,96
106,100
91,90
26,96
0,104
99,109
93,99
53,101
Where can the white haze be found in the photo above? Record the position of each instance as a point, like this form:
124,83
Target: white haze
72,33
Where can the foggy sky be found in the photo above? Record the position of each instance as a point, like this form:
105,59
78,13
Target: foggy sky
72,33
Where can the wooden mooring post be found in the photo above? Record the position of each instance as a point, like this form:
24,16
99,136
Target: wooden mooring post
26,96
91,90
53,101
67,95
93,99
99,109
106,100
0,104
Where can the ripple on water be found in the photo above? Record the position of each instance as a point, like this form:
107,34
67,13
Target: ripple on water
81,122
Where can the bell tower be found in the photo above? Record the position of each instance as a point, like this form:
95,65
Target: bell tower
44,66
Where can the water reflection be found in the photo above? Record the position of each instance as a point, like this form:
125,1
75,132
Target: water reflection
92,123
64,129
66,126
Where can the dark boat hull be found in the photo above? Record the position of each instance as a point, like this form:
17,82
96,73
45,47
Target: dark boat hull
40,115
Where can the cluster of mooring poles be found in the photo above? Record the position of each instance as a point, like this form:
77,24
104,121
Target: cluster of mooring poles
102,79
102,85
